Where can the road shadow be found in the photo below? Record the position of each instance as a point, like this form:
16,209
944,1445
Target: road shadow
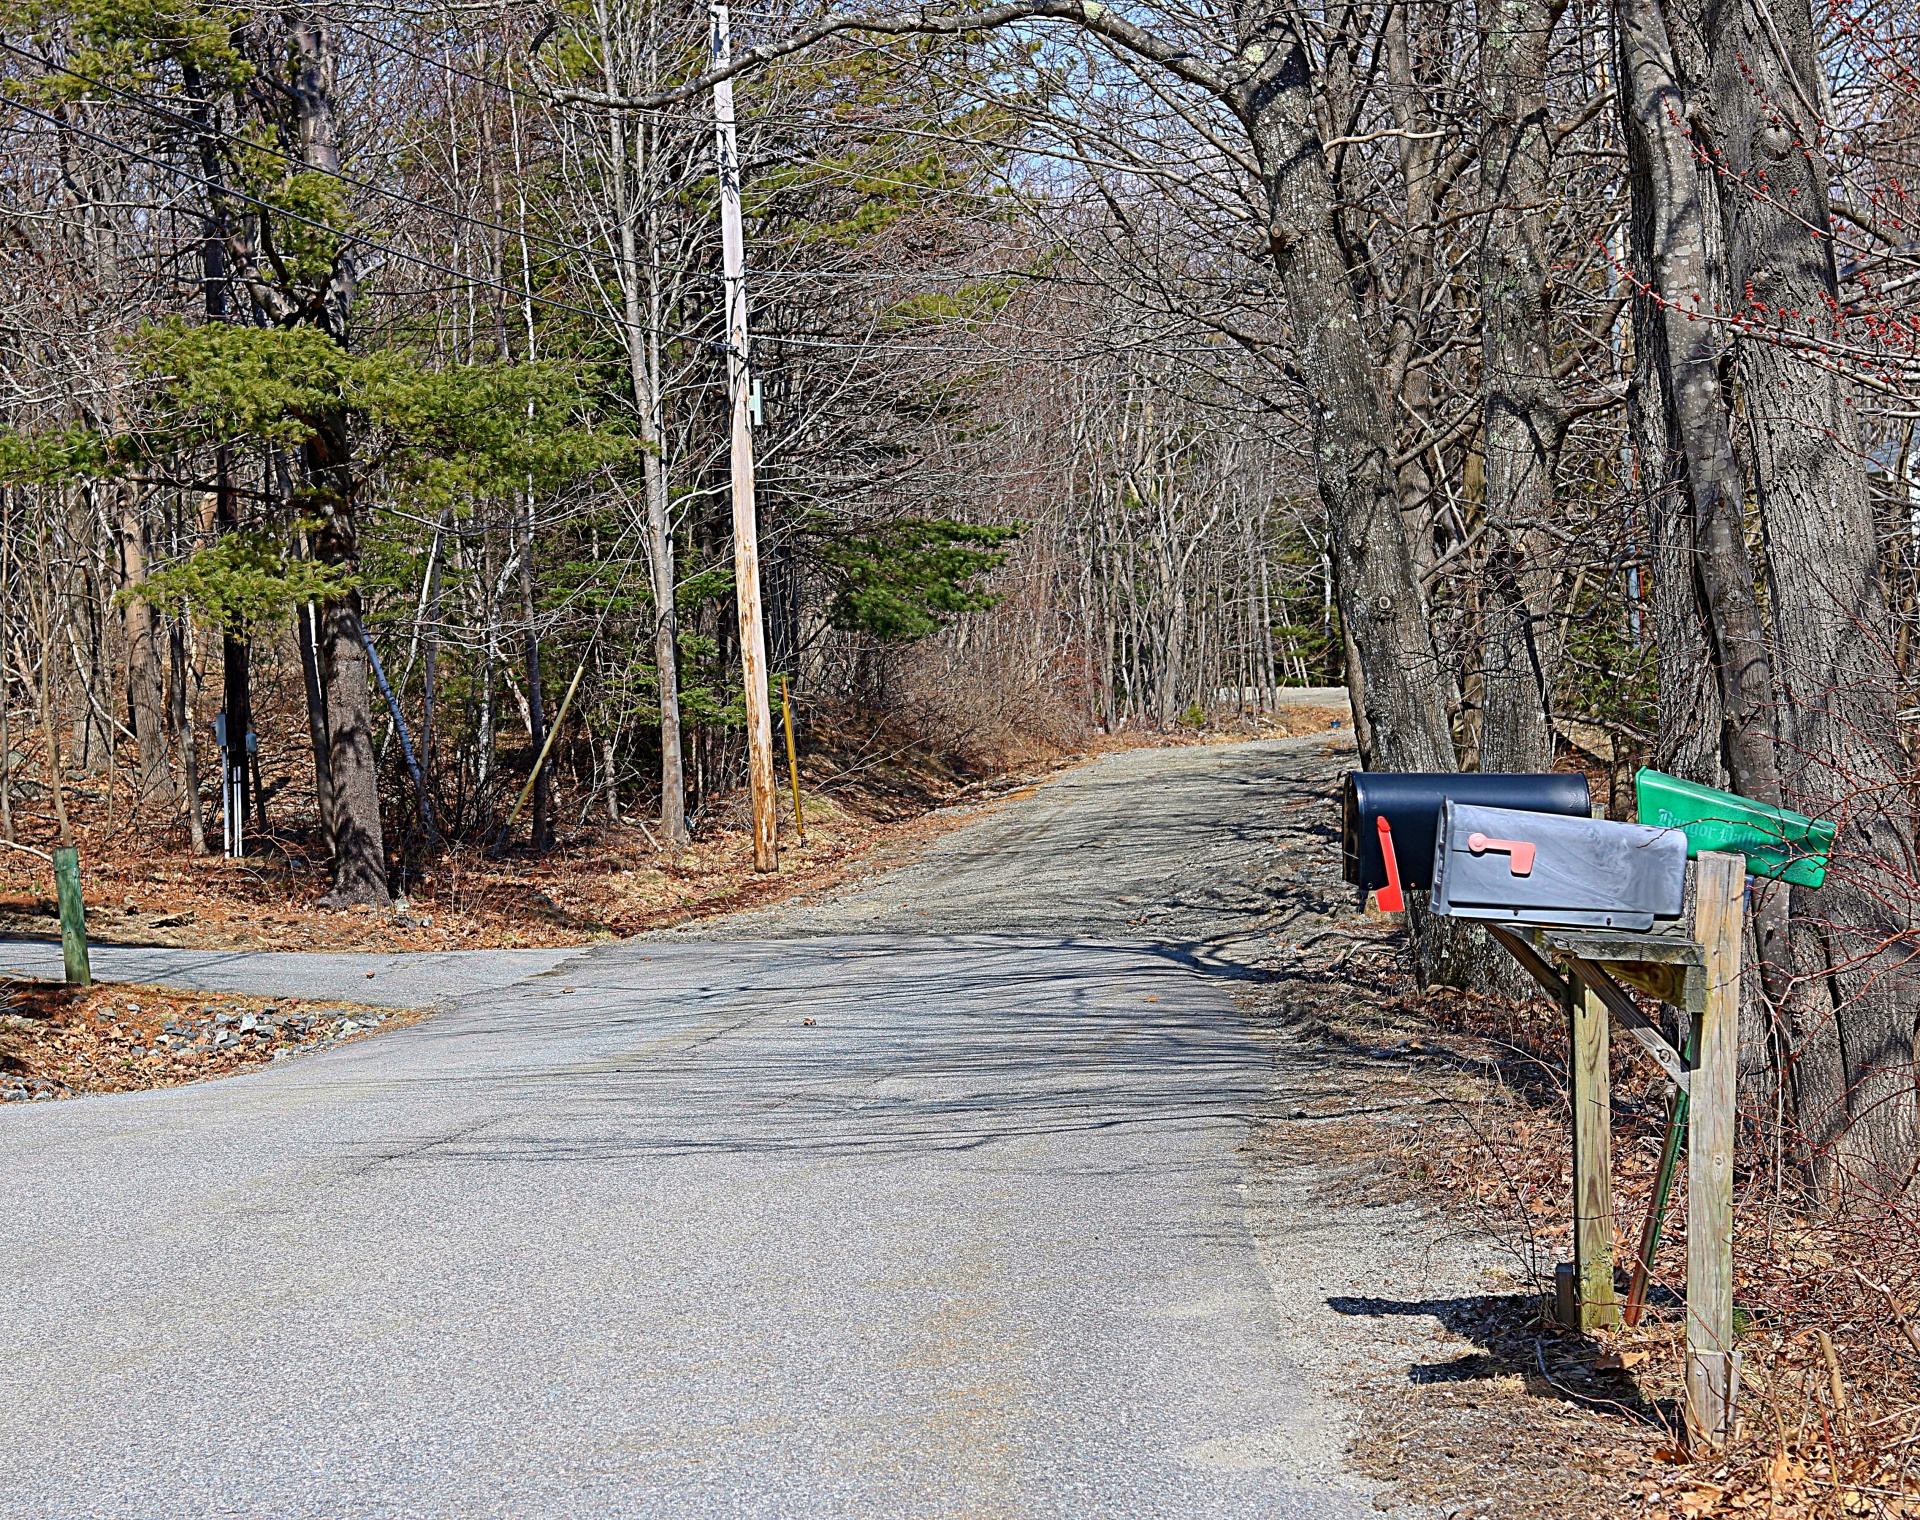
1515,1338
812,1048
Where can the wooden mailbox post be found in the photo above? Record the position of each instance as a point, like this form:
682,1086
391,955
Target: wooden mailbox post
1579,925
1713,1365
1700,975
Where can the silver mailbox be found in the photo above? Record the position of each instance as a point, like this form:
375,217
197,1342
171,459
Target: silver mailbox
1542,868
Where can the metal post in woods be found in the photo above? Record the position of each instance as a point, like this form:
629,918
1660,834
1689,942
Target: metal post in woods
746,541
233,789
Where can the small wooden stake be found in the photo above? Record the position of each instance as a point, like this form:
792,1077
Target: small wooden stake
1712,1362
1592,1160
73,916
793,763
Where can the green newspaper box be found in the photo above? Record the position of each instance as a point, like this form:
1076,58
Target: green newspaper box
1777,843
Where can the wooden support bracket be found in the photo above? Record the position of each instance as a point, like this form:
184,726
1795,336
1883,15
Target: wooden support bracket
1580,952
1627,1012
1666,966
1531,961
1701,975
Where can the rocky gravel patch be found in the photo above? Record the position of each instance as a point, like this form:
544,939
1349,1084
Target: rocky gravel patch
61,1042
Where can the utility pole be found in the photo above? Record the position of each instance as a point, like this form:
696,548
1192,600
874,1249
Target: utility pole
746,537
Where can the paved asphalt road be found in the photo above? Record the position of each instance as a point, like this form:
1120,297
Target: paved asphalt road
972,1242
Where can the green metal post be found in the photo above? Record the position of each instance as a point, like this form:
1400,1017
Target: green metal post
73,916
1657,1207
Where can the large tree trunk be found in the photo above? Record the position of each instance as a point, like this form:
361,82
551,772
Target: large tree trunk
359,847
1399,709
307,618
1856,988
1683,412
1525,414
1523,417
1705,600
1352,439
146,692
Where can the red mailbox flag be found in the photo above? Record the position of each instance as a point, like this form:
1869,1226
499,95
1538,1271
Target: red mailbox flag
1519,851
1389,897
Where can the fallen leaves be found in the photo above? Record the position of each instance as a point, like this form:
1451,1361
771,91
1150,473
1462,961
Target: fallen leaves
58,1041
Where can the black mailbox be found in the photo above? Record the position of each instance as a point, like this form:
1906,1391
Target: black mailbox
1409,804
1543,868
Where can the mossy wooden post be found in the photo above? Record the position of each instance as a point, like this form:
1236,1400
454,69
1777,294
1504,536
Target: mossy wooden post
1592,1161
1713,1365
73,915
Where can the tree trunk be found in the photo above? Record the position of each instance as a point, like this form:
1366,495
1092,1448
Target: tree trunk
6,750
307,619
359,847
1687,343
184,718
145,690
7,499
613,778
536,703
1704,587
1524,411
643,368
1399,712
1352,438
44,629
430,672
1856,981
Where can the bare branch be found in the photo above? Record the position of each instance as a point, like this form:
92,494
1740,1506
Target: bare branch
1089,15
